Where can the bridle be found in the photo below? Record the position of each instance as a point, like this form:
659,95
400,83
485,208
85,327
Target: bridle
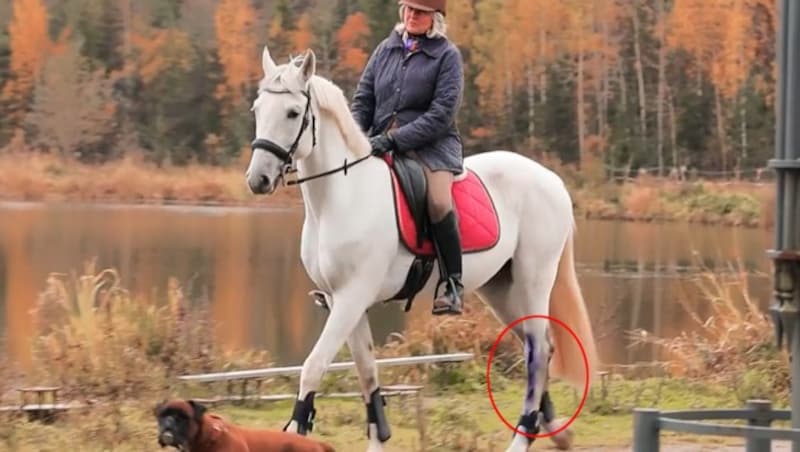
286,157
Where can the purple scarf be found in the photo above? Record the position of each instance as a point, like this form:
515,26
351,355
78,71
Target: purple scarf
411,44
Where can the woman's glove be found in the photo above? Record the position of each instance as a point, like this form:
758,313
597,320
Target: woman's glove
382,144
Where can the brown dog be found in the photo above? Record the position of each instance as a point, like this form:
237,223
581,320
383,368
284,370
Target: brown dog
185,425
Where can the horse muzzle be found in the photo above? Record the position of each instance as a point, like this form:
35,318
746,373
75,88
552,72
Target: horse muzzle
261,184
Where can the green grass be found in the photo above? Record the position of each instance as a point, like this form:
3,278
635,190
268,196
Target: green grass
455,420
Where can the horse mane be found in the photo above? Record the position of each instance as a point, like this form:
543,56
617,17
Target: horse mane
331,99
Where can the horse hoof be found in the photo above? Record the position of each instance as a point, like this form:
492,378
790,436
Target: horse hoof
563,439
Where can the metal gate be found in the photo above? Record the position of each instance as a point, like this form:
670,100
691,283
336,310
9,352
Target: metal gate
786,277
648,423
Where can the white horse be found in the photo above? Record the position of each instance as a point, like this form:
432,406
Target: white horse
352,251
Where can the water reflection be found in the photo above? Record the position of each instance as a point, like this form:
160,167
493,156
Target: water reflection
246,263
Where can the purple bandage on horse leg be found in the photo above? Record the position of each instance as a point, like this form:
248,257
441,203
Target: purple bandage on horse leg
530,359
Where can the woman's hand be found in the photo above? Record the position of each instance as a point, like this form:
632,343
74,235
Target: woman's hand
382,144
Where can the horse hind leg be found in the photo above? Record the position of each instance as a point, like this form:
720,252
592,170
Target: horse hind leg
511,300
537,355
361,347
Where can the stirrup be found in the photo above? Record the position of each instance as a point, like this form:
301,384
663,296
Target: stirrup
455,307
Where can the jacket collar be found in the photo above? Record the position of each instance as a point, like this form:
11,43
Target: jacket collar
432,47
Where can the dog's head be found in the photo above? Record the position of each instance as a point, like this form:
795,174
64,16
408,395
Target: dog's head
178,422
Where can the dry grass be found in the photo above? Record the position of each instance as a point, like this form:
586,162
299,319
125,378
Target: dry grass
475,331
644,201
10,375
652,199
99,343
31,176
733,346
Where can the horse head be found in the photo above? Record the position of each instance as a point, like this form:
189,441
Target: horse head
284,119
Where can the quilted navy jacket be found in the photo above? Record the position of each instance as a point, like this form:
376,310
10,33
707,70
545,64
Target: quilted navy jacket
421,91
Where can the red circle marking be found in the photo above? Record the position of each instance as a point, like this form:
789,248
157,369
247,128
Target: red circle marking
489,379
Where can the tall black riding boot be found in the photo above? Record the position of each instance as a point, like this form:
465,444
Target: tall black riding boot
447,238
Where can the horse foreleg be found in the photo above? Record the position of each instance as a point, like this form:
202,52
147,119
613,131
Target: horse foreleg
537,356
340,324
361,347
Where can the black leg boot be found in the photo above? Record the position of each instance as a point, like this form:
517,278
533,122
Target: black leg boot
447,239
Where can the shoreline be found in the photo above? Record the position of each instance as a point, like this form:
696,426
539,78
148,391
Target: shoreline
37,178
290,202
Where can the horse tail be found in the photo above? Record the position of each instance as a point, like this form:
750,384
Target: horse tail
567,305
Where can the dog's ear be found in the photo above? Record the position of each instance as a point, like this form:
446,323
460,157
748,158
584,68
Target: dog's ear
159,408
199,410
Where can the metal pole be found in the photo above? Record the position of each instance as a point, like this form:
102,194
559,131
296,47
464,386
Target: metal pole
645,430
786,254
791,124
791,83
761,418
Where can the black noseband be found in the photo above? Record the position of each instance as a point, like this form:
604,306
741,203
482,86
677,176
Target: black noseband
273,148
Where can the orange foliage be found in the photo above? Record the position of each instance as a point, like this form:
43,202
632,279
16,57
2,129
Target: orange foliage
461,22
351,39
303,36
719,35
515,36
493,54
30,45
162,49
238,52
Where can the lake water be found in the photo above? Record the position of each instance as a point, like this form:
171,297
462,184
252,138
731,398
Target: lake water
246,262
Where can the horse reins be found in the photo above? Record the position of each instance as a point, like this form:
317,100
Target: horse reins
286,156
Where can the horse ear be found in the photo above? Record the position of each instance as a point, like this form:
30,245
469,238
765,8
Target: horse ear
267,63
309,66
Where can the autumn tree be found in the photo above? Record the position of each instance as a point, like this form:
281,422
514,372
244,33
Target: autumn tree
5,113
30,44
381,16
162,13
717,34
493,58
73,107
172,113
5,59
281,25
352,39
642,84
101,26
197,18
239,55
302,35
240,59
5,13
326,16
461,20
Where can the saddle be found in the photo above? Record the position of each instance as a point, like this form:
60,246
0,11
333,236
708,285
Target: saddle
477,219
414,187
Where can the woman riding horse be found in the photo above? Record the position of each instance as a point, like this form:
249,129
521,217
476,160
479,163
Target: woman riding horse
407,99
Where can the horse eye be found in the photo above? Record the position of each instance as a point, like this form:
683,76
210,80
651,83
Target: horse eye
292,114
